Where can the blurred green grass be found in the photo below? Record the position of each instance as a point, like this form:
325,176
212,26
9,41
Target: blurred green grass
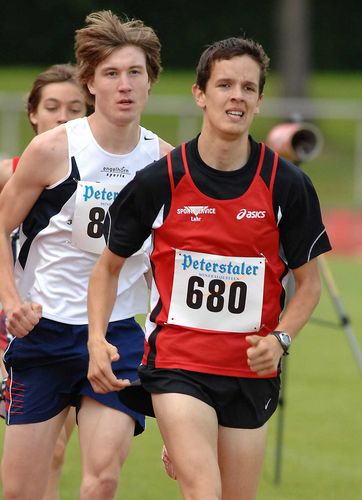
322,445
332,171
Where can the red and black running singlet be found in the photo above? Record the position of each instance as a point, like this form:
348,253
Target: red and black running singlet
218,275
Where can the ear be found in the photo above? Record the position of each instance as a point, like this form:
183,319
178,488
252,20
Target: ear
259,103
91,87
33,119
199,96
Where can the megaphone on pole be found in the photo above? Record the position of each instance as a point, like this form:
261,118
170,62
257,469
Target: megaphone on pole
295,141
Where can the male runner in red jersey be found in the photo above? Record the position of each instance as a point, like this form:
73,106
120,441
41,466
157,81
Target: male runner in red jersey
228,219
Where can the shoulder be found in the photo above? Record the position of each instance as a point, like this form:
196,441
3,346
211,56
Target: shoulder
289,172
153,173
6,164
46,157
6,171
165,147
48,145
291,182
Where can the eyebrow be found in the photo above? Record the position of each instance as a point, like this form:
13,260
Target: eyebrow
231,79
115,68
54,99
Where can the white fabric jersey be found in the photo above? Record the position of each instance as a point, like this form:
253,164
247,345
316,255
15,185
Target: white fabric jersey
51,270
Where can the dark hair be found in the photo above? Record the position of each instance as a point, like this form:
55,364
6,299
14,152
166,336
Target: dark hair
104,33
57,73
226,49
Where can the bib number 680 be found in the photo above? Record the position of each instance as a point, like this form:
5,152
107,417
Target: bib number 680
216,297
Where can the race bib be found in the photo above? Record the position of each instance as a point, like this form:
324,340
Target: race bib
217,293
93,200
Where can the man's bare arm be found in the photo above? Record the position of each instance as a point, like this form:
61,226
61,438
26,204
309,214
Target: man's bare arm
265,352
102,292
41,164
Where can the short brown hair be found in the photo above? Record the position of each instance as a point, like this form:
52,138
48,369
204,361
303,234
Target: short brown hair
226,49
104,33
57,73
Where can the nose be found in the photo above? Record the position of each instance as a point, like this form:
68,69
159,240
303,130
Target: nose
63,116
124,84
237,94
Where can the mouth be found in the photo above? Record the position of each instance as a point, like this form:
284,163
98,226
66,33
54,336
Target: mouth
125,101
236,113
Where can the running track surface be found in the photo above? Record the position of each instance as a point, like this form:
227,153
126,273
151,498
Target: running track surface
344,229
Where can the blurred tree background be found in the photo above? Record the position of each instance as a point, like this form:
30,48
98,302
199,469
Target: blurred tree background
327,34
316,63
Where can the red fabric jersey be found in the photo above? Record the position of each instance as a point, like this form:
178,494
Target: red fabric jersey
15,161
237,243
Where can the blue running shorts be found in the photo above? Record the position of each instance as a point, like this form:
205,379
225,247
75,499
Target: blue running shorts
48,370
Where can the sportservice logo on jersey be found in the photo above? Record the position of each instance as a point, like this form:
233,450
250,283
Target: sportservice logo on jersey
251,214
195,210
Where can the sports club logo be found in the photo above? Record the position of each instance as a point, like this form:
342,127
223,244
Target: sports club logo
195,211
250,214
116,172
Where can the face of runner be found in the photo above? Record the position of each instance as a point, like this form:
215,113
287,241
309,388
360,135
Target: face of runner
59,102
231,98
121,86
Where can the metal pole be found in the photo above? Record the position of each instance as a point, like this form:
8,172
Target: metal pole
342,314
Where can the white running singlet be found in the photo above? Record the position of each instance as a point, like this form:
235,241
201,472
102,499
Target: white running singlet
54,265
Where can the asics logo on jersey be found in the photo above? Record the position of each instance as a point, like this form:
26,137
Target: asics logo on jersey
195,211
251,214
116,171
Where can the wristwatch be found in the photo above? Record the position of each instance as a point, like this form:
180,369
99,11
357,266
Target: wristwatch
284,340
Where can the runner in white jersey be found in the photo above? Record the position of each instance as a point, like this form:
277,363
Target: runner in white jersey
60,193
60,233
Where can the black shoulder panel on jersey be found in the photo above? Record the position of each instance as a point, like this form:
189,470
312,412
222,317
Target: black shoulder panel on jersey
267,167
178,169
49,203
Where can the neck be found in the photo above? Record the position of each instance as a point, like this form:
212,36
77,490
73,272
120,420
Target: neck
223,154
115,139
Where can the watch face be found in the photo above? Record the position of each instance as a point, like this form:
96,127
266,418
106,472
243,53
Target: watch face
285,339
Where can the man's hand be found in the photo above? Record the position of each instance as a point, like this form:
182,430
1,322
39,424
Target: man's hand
101,356
264,354
22,319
